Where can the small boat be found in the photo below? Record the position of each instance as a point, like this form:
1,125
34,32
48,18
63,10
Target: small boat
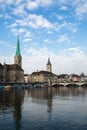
1,87
8,87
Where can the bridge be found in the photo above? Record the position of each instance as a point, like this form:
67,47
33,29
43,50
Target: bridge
69,84
48,84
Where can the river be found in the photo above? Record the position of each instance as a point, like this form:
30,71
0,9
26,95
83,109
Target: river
44,109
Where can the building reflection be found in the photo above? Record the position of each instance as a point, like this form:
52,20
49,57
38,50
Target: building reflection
42,96
17,104
67,92
49,102
11,103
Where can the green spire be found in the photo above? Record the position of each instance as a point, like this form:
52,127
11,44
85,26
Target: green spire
18,47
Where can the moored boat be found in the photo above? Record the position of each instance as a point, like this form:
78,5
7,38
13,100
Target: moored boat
1,87
8,87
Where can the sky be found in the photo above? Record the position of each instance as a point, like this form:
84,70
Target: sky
46,28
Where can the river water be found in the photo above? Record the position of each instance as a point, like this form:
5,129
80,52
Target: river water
44,109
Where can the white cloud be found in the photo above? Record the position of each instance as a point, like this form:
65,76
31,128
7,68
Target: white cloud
39,21
71,27
60,17
47,41
81,9
7,2
12,25
16,31
18,2
47,2
31,5
21,30
34,21
49,32
74,51
19,10
28,34
21,22
64,39
27,40
63,7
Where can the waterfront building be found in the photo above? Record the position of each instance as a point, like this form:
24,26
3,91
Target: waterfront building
27,78
63,78
44,76
13,72
75,78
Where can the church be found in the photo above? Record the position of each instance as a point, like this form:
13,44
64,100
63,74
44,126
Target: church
13,72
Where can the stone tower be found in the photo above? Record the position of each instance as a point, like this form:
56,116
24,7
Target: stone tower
49,66
17,57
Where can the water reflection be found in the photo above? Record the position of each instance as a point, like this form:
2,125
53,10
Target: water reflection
49,102
15,104
18,99
11,103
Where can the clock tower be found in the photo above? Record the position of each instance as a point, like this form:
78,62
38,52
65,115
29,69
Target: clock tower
49,66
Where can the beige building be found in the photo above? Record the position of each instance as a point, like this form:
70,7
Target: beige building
13,72
43,76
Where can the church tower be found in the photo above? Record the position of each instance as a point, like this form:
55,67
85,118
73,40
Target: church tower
17,57
49,66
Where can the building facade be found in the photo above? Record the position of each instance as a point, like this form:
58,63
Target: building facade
13,72
43,76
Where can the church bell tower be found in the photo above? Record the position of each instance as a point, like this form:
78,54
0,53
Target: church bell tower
17,57
49,66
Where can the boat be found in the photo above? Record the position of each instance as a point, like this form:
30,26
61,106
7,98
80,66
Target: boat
1,87
7,87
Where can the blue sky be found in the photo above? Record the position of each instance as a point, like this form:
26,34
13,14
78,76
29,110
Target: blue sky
47,28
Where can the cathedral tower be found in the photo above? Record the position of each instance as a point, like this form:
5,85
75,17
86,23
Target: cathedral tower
49,66
17,57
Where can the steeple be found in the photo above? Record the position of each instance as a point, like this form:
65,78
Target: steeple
49,67
48,63
18,47
17,57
